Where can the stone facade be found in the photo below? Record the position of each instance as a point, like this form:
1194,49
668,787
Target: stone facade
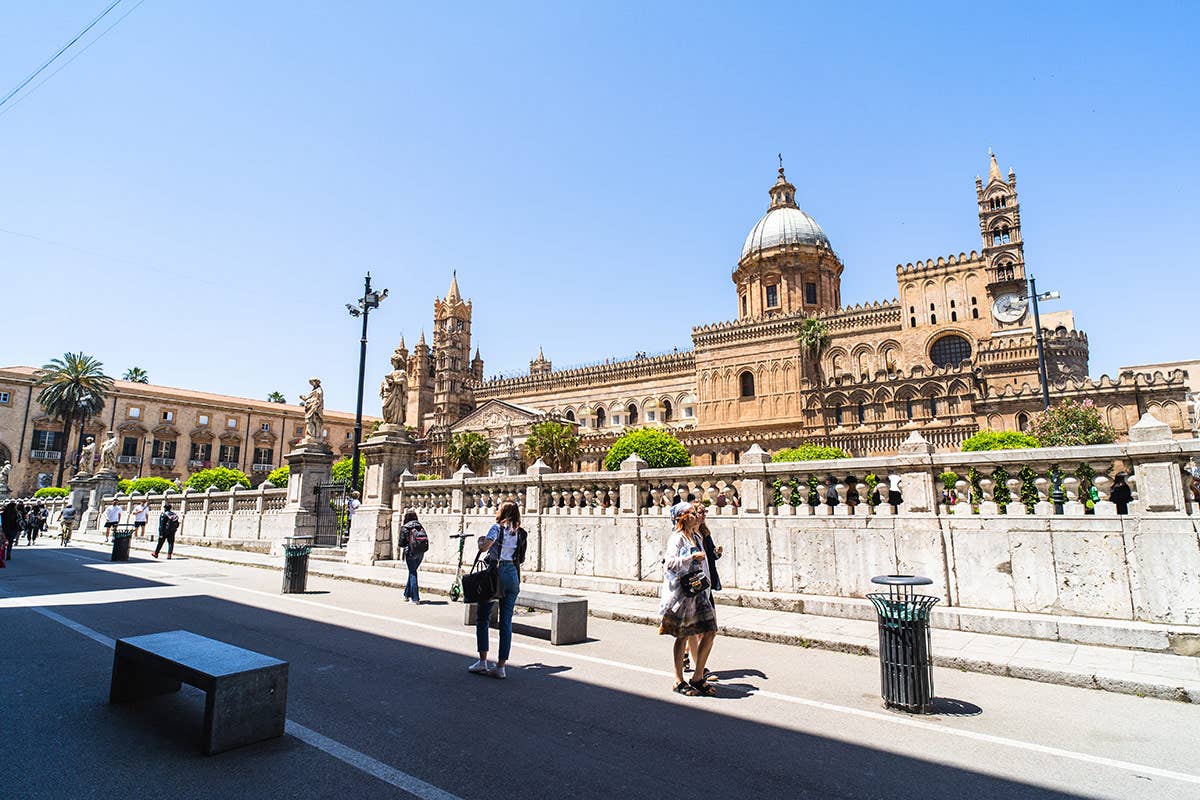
163,432
953,353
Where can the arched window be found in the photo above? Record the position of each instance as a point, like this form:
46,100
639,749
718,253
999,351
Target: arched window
912,322
1022,421
632,412
599,417
837,414
746,380
908,408
862,412
954,316
949,350
974,313
666,411
933,319
571,416
933,408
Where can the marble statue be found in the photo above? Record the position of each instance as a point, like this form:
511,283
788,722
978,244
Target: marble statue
87,457
394,392
108,453
314,411
4,470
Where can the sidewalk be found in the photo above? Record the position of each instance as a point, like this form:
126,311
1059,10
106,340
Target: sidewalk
1165,676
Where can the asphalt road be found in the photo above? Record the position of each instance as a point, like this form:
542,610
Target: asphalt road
379,699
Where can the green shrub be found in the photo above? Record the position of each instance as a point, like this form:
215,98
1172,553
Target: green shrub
279,477
657,448
809,452
146,486
428,476
52,491
221,477
948,480
342,471
999,440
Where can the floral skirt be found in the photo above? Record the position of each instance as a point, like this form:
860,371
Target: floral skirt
693,615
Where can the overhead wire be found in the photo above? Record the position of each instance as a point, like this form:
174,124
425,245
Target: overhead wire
67,63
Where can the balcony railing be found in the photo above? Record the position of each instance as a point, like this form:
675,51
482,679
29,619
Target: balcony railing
197,463
46,455
228,464
129,459
263,467
162,462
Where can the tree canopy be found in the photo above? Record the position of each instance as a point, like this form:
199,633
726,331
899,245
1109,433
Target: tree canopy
657,448
73,387
554,443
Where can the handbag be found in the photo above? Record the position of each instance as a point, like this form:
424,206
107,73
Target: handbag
694,582
482,583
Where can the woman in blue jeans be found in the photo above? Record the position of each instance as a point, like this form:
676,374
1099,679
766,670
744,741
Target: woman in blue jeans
413,553
504,546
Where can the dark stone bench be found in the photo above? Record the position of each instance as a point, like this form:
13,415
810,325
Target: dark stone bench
568,615
246,691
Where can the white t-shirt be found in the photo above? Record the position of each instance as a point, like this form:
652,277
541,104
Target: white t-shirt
113,514
139,513
508,544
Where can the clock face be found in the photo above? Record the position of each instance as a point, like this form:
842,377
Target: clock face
1009,307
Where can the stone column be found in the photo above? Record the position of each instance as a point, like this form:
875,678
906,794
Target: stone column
389,453
754,489
630,502
309,465
915,468
1156,458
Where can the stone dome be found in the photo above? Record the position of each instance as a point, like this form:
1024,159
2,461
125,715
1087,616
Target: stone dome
782,225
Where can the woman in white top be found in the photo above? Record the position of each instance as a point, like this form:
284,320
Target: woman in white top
141,513
686,617
503,546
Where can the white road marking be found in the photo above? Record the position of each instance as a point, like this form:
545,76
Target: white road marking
894,719
344,753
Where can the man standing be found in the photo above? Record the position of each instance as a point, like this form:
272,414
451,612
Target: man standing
112,516
168,523
65,523
140,512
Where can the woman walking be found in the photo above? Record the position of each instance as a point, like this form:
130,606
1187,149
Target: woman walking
10,525
685,616
415,542
504,546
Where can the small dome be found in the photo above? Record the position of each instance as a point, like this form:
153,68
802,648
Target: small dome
783,225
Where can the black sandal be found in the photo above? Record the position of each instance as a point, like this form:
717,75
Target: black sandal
706,689
685,688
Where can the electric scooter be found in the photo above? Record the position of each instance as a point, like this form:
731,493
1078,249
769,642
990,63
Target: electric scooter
456,587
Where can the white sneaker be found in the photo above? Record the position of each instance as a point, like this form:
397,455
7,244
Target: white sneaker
497,672
480,667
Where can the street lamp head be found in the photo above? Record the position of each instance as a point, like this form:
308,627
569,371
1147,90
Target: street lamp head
1049,296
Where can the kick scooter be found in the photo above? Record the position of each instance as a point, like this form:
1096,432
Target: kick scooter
456,587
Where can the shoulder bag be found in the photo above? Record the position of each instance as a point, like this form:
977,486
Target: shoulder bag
482,583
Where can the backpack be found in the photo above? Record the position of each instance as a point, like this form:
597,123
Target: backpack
418,540
172,522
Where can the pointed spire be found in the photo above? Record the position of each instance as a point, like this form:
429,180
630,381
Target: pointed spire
421,341
993,167
541,354
402,347
477,356
783,194
452,294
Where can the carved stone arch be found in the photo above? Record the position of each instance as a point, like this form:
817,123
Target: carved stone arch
789,377
883,395
957,387
862,358
995,422
1117,419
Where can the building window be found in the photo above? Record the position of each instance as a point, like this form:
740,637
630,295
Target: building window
1022,421
746,381
954,316
129,446
933,319
837,414
264,455
135,412
974,301
168,416
231,423
631,414
203,419
932,307
862,413
163,449
47,440
772,296
616,420
949,350
908,408
571,416
933,408
974,313
4,398
230,453
649,416
666,411
599,417
912,322
689,412
744,306
348,434
265,427
1005,272
810,293
201,451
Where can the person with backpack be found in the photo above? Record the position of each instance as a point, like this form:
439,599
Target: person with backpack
10,524
503,548
414,541
168,523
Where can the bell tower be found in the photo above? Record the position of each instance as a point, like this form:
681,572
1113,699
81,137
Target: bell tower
453,397
1003,250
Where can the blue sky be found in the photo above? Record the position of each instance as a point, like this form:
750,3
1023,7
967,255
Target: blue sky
216,177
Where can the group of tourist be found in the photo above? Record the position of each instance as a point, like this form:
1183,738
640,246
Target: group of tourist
18,518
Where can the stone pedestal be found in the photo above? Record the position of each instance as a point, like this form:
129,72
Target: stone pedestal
88,493
387,454
309,465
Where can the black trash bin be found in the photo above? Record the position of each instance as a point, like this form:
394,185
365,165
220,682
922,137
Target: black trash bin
295,563
122,535
905,655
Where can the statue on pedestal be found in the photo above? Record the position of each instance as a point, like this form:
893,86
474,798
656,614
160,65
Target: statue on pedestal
394,392
314,411
4,470
87,456
108,453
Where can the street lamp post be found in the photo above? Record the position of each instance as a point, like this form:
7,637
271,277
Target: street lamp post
368,301
1056,494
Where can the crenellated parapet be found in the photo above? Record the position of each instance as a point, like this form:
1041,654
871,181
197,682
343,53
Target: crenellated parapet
1142,381
941,264
683,362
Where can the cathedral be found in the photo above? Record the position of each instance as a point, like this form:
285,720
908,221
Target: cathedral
953,353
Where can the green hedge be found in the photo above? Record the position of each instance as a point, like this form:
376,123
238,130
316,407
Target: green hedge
341,471
146,486
52,491
657,448
999,440
280,476
220,477
809,452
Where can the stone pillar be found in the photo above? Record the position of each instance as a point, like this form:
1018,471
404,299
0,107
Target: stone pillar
915,467
309,465
458,493
387,454
1156,458
533,492
754,489
630,502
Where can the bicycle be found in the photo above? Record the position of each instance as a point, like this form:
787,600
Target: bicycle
456,587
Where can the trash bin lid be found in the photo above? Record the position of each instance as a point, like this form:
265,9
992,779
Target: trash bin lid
297,541
902,580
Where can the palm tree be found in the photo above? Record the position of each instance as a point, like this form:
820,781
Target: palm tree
468,448
72,387
136,375
814,341
554,443
276,397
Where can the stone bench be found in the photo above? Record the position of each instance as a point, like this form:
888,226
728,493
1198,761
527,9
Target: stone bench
568,615
246,691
